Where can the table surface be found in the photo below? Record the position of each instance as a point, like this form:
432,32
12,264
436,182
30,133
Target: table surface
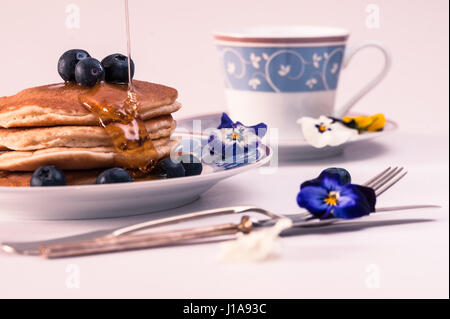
402,254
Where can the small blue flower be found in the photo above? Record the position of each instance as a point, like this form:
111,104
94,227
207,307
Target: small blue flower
233,140
236,136
326,197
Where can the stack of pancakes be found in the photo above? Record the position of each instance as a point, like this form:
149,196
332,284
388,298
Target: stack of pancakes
48,125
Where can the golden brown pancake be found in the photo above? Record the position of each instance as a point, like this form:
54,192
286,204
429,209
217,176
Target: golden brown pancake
58,104
86,177
67,158
72,177
28,139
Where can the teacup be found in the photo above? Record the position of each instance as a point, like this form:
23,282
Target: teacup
279,74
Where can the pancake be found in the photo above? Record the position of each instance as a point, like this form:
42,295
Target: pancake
58,104
28,139
17,179
66,158
86,177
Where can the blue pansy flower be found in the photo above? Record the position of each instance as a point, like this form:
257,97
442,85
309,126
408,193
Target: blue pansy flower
234,140
327,197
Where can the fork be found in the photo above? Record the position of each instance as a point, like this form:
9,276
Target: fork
380,183
123,239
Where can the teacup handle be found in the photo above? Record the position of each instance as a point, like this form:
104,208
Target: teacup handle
342,111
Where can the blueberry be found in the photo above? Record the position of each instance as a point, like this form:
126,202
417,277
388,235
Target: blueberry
169,168
114,175
342,172
68,61
47,176
89,72
116,68
192,165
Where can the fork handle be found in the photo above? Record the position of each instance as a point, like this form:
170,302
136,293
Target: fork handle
191,216
176,219
111,244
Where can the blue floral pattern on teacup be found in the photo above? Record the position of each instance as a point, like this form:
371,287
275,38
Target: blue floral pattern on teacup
291,69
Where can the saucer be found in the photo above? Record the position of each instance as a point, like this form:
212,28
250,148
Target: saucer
293,149
124,199
299,149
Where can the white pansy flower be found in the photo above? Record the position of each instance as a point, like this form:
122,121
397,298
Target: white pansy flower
231,68
254,83
255,60
284,70
325,131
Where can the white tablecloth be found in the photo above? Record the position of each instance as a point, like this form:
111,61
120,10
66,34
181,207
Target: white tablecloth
402,254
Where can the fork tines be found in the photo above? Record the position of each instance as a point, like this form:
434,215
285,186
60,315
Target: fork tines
386,179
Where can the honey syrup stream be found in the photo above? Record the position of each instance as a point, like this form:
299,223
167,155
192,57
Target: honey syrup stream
116,107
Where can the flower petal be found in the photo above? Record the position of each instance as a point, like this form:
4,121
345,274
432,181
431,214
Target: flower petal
311,182
226,122
259,129
330,181
369,194
340,134
326,120
379,121
310,133
372,123
353,203
215,143
333,181
312,199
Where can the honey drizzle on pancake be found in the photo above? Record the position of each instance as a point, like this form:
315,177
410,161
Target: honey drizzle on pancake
117,112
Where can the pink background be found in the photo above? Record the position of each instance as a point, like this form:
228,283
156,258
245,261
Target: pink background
172,44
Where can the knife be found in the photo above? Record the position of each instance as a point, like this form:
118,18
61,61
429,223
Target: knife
120,238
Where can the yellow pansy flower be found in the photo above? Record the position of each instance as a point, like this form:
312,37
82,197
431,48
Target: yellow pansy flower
372,123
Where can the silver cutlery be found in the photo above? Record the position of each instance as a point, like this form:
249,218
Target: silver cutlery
125,238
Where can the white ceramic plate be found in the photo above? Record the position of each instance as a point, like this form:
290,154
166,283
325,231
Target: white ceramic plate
117,200
294,149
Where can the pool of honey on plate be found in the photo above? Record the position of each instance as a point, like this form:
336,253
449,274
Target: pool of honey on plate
116,107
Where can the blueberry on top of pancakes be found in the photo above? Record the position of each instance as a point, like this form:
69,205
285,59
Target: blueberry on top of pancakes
89,72
68,61
116,68
48,176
